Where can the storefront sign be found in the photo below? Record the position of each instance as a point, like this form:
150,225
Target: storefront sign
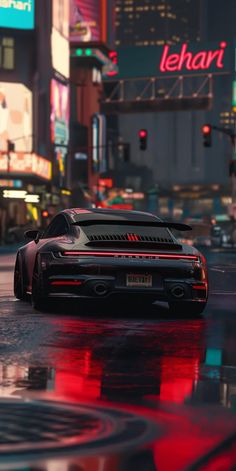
26,164
19,194
187,60
11,183
17,14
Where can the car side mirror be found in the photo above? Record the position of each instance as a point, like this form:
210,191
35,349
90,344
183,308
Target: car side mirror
32,235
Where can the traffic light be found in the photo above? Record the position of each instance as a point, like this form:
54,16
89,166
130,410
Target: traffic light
206,132
143,134
44,213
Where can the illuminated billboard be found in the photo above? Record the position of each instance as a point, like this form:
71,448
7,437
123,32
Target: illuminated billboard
85,20
59,113
15,116
60,121
59,38
60,16
17,14
60,53
92,21
182,59
99,143
25,164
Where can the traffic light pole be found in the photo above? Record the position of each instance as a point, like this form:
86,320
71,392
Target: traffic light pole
232,173
231,134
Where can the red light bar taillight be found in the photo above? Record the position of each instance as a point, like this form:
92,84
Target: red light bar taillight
131,254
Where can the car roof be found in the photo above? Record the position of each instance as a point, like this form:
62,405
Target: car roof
81,214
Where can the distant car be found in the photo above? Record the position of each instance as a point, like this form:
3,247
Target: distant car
202,241
109,254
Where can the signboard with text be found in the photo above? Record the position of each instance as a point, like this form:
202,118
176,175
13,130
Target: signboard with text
17,14
182,59
25,164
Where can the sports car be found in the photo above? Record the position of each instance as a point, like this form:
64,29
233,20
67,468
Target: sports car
111,254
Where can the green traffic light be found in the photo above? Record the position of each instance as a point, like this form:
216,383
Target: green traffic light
88,52
79,52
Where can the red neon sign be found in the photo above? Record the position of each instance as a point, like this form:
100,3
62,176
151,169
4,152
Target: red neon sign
191,61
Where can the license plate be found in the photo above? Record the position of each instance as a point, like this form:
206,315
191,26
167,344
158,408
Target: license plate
134,280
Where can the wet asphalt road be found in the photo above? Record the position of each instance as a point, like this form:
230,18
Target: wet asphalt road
131,358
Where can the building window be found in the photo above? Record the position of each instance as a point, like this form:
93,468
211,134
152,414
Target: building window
7,53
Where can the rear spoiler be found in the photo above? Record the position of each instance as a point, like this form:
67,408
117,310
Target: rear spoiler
169,225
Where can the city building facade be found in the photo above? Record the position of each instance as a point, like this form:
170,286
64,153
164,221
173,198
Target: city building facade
178,165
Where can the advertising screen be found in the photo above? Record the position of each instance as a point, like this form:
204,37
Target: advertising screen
59,113
60,121
17,14
15,116
60,53
61,14
85,20
60,37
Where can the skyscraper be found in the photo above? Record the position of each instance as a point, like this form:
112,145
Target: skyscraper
155,22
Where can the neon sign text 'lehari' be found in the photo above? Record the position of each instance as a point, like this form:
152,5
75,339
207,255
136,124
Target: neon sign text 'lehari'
202,60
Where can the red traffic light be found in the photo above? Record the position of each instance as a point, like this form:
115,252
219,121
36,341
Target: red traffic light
142,133
206,129
45,213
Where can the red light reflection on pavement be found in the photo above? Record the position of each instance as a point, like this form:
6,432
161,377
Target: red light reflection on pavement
92,358
178,376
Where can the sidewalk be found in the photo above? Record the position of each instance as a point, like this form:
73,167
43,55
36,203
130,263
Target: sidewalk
8,249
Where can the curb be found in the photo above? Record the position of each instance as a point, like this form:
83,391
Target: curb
9,249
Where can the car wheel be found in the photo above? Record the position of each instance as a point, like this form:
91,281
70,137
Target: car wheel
188,309
19,286
38,297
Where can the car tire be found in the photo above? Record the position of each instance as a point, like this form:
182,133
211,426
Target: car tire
38,297
189,309
19,280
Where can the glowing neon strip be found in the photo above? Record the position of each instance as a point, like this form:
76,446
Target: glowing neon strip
136,254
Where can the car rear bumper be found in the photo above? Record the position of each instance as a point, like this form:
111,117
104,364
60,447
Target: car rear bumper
93,287
93,279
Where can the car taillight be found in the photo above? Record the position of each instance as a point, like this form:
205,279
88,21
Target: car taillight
165,256
203,262
202,259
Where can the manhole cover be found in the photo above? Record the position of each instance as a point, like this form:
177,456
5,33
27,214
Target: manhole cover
43,429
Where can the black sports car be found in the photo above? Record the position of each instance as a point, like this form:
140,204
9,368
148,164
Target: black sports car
102,253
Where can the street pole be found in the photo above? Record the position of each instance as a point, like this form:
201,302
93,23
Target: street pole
233,175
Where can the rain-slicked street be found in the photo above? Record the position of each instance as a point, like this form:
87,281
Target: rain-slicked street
138,360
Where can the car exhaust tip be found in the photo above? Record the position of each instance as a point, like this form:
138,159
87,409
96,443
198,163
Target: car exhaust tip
178,291
100,289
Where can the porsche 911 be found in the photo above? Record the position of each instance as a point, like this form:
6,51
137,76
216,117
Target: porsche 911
91,254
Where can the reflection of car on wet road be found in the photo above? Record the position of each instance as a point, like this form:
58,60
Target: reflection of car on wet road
91,254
